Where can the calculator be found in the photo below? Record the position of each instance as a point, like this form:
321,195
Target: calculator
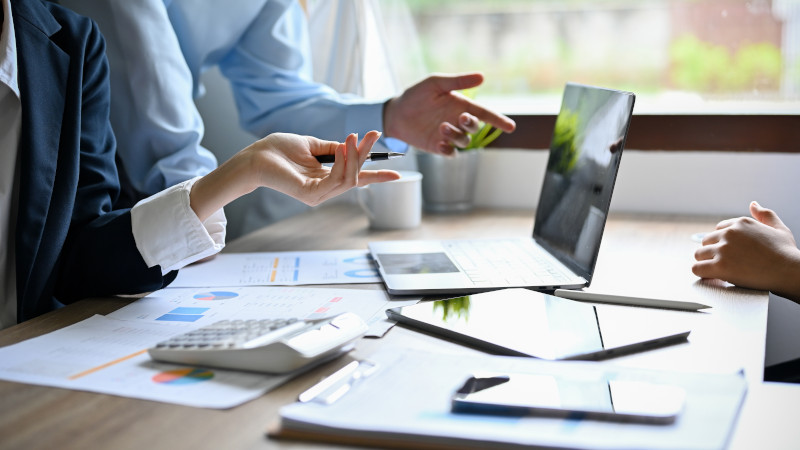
270,345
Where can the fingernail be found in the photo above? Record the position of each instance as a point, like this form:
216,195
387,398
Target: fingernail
448,131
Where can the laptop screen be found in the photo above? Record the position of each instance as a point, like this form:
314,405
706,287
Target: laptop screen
585,153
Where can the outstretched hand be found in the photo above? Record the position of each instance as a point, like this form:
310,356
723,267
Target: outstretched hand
758,252
290,166
433,117
287,163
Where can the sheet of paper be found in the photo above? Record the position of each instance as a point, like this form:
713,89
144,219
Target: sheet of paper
393,404
109,356
280,269
195,307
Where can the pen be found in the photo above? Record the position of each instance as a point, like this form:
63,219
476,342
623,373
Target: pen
632,301
374,156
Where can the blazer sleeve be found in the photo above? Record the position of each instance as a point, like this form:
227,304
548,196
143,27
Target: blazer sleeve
99,256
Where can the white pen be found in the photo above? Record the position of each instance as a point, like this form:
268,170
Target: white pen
632,301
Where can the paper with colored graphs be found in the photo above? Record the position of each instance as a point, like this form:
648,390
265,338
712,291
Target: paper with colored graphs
196,307
280,269
109,356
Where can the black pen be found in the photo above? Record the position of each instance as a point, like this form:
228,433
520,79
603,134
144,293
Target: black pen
374,156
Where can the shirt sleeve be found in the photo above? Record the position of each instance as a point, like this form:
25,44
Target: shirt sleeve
155,120
271,74
169,234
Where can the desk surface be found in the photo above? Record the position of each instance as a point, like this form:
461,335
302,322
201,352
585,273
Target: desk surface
645,256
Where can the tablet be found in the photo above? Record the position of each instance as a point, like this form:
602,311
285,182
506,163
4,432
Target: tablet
521,322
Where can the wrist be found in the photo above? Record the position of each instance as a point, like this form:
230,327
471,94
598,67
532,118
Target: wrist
789,286
388,118
226,183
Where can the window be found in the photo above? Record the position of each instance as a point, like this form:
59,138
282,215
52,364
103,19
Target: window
708,74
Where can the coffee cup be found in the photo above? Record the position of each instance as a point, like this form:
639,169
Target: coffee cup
393,204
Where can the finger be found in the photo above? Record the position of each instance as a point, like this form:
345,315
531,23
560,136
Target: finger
453,135
366,144
469,123
353,164
497,120
458,82
705,252
338,168
319,147
728,222
445,148
766,216
712,238
334,184
706,269
376,176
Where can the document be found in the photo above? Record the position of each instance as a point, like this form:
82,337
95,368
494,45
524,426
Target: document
280,269
397,403
189,308
109,356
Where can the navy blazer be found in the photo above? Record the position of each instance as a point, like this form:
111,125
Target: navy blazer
70,243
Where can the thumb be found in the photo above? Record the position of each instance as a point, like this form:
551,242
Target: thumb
766,216
448,83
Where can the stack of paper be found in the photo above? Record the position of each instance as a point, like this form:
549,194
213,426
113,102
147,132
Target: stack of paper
406,402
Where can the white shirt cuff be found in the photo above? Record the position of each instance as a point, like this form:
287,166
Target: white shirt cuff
169,234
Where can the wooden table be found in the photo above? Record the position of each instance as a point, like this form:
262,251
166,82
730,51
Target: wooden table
647,256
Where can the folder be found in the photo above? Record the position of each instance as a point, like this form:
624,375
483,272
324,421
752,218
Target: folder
402,400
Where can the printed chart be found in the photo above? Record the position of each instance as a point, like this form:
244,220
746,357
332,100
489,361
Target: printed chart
196,307
280,269
110,356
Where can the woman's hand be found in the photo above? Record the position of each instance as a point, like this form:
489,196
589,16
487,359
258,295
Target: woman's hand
758,252
287,163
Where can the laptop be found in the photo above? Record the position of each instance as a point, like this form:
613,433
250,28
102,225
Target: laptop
585,153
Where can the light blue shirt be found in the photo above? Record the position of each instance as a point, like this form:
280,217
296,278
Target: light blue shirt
158,49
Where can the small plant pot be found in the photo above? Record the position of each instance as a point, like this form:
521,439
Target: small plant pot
448,183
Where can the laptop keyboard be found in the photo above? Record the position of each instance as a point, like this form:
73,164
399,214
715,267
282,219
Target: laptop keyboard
505,262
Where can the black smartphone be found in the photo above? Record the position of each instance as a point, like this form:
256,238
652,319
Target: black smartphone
598,398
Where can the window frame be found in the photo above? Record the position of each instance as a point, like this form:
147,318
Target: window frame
770,133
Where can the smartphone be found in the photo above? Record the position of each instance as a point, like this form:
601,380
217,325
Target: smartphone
593,397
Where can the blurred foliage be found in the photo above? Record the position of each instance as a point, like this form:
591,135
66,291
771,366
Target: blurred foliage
453,308
483,137
565,147
520,64
701,66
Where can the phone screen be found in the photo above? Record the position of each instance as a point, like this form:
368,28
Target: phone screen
592,398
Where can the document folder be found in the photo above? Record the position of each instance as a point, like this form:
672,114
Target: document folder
405,402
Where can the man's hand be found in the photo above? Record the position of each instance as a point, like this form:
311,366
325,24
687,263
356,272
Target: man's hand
434,118
758,252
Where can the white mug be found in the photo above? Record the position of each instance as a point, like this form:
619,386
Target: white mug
393,204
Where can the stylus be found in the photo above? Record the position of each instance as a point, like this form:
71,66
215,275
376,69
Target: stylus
374,156
632,301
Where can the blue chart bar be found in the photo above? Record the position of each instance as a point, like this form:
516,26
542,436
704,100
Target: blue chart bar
296,274
180,317
188,310
297,262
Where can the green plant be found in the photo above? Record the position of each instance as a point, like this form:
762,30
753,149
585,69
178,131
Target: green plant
483,137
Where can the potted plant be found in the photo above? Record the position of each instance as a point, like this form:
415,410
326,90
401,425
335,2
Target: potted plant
448,182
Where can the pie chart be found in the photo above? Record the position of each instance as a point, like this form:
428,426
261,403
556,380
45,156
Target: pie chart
188,375
215,295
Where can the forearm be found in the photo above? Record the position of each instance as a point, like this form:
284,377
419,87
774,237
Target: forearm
223,185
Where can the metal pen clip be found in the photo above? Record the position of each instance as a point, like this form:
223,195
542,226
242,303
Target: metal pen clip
336,385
